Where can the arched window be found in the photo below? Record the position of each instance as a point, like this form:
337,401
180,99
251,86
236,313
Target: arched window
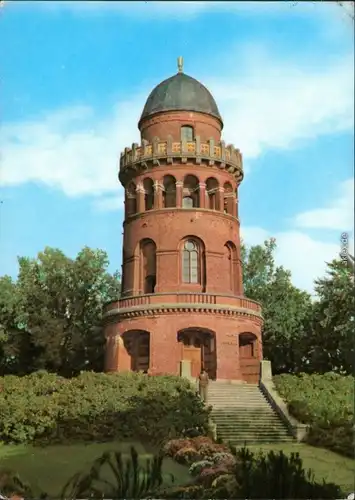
148,186
229,199
187,133
230,266
148,266
190,262
131,199
212,193
191,192
169,192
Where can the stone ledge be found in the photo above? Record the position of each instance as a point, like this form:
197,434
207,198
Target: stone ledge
144,310
267,386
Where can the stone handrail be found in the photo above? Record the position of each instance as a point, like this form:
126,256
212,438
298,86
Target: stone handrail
267,387
183,298
169,148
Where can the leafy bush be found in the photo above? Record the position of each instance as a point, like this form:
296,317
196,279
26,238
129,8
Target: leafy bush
45,408
274,475
326,403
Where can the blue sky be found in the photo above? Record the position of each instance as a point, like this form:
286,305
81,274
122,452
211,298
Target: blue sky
75,77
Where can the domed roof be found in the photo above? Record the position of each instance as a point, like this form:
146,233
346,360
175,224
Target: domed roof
180,93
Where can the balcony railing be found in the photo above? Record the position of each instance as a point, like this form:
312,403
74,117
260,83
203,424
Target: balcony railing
209,150
166,299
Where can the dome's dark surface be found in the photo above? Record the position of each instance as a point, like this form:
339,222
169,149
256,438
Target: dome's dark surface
180,93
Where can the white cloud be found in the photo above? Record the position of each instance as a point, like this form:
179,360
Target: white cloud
304,256
339,215
69,149
272,106
276,104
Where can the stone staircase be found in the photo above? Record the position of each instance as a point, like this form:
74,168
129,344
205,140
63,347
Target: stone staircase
243,415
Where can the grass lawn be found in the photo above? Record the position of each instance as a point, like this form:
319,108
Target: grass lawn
49,468
325,464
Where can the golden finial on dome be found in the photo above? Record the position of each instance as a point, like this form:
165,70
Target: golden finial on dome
180,62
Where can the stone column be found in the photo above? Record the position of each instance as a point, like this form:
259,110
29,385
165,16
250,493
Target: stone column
220,199
140,198
231,204
123,363
236,208
158,196
179,187
202,193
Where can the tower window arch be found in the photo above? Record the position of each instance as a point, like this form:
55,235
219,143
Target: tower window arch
148,259
148,186
190,262
229,198
131,199
212,193
191,192
187,133
169,191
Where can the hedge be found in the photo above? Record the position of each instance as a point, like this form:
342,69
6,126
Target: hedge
46,408
326,403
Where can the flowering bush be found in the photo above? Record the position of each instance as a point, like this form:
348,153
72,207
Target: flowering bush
208,475
201,440
224,459
174,445
196,468
186,455
223,479
208,450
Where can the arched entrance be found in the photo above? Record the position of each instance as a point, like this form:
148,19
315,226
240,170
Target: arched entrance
137,345
199,346
248,358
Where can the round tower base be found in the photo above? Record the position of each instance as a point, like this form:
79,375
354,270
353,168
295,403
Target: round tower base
180,342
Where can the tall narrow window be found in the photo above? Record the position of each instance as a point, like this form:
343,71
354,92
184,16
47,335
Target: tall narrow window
169,192
148,186
190,263
191,191
131,199
148,260
187,133
212,192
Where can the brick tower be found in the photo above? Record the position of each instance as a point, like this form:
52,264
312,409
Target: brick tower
182,302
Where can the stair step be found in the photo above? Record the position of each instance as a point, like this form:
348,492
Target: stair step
243,415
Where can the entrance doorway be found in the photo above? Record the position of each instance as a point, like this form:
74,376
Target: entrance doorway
137,344
199,347
248,358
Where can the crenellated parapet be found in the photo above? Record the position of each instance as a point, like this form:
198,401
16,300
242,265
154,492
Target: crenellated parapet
140,158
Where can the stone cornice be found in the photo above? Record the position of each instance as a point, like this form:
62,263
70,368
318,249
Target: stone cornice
166,309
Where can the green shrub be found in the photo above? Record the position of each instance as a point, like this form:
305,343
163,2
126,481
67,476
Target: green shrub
45,408
326,403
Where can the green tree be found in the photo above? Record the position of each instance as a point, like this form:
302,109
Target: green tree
286,309
331,345
51,317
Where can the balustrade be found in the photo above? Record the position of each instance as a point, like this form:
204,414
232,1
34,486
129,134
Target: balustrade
166,299
196,149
